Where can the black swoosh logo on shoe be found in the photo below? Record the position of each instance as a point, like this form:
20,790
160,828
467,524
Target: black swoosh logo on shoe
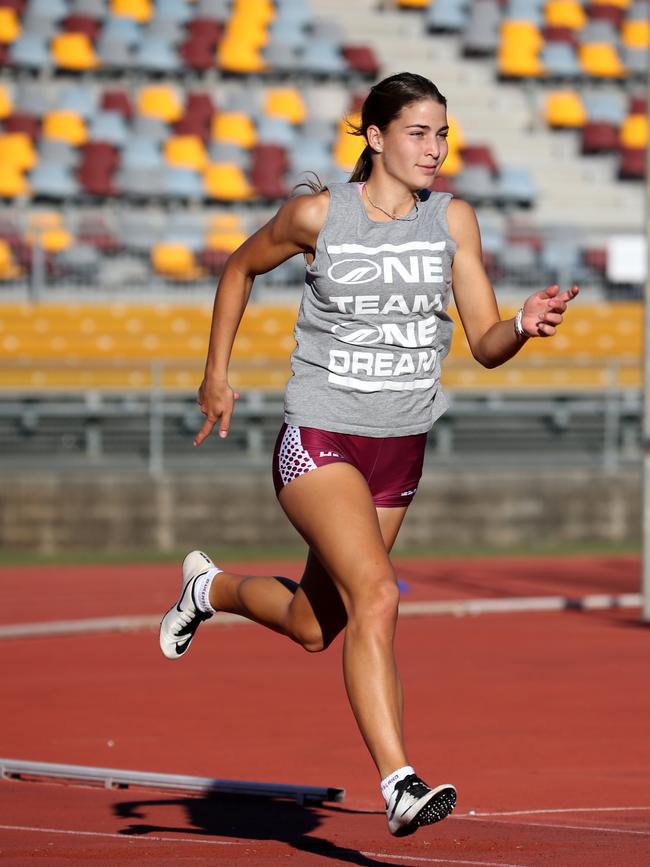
188,585
181,646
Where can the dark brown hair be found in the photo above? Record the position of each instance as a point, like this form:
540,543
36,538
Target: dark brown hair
383,104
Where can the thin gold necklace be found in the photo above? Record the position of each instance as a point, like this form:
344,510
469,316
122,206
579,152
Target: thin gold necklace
404,219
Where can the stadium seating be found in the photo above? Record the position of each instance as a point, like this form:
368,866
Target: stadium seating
115,345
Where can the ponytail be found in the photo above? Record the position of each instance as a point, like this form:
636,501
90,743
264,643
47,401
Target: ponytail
363,167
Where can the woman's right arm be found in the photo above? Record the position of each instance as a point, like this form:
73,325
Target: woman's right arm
294,229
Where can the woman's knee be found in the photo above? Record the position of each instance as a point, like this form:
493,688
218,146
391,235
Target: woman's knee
307,632
375,604
310,638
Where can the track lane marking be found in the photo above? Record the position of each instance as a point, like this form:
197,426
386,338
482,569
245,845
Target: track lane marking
75,833
457,607
150,838
566,827
420,859
552,810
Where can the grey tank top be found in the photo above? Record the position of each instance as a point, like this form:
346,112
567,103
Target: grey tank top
373,326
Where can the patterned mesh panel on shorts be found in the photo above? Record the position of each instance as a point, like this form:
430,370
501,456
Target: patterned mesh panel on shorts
293,459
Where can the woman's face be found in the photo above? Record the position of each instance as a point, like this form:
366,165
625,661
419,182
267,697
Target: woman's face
414,145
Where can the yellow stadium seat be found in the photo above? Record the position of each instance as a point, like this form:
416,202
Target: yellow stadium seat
6,106
564,108
515,34
224,222
175,261
65,125
17,150
42,220
12,181
634,131
234,127
565,13
600,60
73,51
455,139
636,34
234,55
225,241
52,240
186,151
8,268
226,181
348,147
255,11
285,102
452,165
138,10
247,31
160,100
9,25
413,4
519,62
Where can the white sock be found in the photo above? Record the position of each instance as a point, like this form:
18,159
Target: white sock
202,590
388,783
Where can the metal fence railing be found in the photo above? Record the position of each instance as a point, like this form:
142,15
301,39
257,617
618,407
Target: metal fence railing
151,426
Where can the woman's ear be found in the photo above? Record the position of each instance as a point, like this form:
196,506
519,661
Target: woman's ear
375,139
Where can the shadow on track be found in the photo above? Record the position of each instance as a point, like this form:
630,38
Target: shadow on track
248,818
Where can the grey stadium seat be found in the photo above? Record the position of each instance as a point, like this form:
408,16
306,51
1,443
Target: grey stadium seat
481,35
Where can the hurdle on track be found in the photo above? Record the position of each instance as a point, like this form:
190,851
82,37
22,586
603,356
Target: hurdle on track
113,778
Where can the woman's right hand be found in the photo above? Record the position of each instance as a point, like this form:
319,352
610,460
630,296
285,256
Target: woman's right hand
216,400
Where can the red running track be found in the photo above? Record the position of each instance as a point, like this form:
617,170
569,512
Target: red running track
541,721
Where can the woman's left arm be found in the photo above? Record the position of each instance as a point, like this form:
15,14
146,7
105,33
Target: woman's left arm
491,339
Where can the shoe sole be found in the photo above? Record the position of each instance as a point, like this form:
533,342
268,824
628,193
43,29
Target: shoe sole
435,810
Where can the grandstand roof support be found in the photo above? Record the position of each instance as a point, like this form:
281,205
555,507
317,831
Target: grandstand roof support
645,588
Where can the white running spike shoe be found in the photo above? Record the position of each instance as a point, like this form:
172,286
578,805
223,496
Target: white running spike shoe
414,804
178,626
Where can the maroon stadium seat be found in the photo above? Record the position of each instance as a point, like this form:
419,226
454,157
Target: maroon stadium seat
632,164
479,155
595,258
82,24
19,122
117,100
200,104
198,54
599,136
361,58
267,172
213,260
559,34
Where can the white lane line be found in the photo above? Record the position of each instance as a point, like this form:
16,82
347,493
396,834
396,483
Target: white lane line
566,827
553,810
420,860
126,837
457,607
150,838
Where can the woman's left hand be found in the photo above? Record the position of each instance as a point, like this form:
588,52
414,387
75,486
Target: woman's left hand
544,310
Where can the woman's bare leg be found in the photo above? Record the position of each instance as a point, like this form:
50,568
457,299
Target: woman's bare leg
333,510
312,612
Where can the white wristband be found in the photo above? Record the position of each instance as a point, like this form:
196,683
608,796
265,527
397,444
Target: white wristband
519,328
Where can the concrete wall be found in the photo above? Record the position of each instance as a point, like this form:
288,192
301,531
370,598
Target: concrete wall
105,511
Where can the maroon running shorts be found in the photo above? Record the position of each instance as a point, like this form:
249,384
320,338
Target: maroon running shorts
392,466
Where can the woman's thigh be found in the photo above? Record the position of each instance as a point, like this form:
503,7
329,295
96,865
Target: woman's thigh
317,603
349,540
